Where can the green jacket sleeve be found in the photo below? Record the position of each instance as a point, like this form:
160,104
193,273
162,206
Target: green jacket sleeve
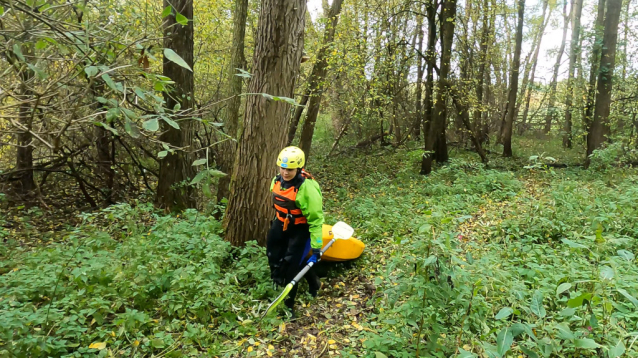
310,201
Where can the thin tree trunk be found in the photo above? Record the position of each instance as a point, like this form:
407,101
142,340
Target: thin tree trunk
595,63
317,80
551,111
529,86
177,167
416,128
511,101
276,62
464,114
574,53
600,131
528,82
483,50
227,149
24,157
428,101
437,127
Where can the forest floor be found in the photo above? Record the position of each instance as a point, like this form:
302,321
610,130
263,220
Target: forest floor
518,259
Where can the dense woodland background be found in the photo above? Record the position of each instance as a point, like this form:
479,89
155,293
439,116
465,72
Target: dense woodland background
133,113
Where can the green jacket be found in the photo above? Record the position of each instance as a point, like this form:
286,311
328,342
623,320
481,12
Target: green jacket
310,201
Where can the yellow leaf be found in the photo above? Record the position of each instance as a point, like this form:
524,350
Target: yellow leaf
136,343
250,349
332,341
98,345
271,347
269,353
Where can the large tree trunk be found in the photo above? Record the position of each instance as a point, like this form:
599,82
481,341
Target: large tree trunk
177,167
317,80
551,111
574,53
278,50
528,87
595,63
599,130
511,100
437,126
227,152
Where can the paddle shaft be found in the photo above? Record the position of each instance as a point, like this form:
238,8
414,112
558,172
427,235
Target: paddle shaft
309,266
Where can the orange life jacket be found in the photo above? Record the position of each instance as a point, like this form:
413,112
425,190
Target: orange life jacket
284,201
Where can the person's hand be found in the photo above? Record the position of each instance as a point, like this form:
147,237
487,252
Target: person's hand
316,255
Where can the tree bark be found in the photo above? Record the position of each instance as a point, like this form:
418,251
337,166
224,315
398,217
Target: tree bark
428,101
595,64
551,111
600,131
276,62
437,127
238,60
317,80
511,101
24,157
483,63
416,128
176,167
574,53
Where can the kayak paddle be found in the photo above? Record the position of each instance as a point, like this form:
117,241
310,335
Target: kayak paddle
341,231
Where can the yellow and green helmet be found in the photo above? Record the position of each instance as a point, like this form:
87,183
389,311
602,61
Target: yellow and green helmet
291,158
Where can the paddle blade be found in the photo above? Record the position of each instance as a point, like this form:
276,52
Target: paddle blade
278,300
342,230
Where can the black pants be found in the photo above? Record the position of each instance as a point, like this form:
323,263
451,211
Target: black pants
287,252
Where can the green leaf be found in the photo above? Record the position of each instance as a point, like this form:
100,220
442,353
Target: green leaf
18,52
504,341
564,332
91,71
167,11
112,114
140,93
617,350
109,128
107,79
130,114
529,353
170,122
151,125
465,354
429,261
243,73
216,173
162,154
568,312
172,56
131,128
626,255
201,175
537,305
606,273
41,74
380,355
102,100
563,287
586,343
157,343
200,161
578,301
504,313
573,244
628,296
181,19
1,10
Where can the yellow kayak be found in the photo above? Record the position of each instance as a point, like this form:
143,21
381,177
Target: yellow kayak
341,250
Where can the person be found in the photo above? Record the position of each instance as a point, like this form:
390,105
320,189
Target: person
297,226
